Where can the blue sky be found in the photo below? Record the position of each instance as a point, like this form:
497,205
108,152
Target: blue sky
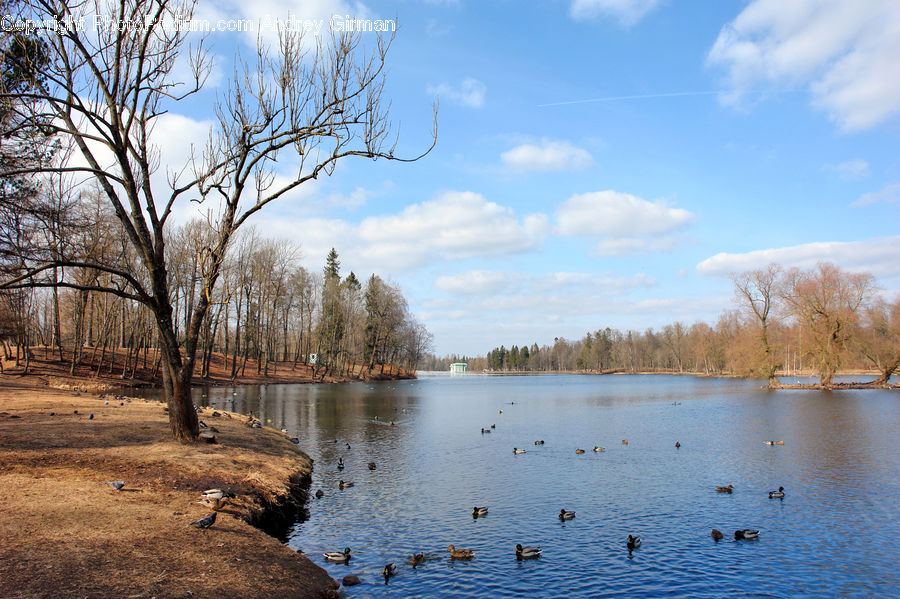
602,162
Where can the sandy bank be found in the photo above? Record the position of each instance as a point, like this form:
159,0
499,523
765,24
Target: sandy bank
64,533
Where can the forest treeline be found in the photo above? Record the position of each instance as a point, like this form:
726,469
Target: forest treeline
786,321
266,308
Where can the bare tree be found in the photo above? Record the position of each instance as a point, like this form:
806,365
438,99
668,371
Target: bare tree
826,300
756,291
103,88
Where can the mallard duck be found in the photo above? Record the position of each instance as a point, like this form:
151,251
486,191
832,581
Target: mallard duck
769,442
779,494
479,511
633,543
499,411
745,534
416,559
485,430
320,494
516,450
727,489
579,451
564,515
677,444
599,449
460,553
493,426
216,494
341,557
372,466
344,485
389,570
527,552
717,534
541,442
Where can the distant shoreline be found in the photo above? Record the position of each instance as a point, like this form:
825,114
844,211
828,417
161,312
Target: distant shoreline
780,385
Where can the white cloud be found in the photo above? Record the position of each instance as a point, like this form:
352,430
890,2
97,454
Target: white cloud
877,256
517,288
479,282
627,12
887,195
454,225
547,156
470,92
850,170
619,215
847,51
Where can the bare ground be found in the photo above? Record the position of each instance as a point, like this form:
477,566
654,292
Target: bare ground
64,533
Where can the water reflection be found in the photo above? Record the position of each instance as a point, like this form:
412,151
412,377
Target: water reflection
839,465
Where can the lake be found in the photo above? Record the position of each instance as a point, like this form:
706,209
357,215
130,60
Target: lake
832,535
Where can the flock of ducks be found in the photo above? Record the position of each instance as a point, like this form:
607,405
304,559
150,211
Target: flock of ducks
528,552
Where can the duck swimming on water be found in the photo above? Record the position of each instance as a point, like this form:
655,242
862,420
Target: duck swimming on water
564,515
779,494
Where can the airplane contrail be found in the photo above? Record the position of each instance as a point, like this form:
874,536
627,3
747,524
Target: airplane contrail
663,95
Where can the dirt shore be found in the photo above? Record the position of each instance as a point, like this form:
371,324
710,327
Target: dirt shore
65,533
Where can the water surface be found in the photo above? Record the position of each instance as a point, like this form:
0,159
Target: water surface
832,535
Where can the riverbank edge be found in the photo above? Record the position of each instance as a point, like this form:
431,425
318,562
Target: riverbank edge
269,506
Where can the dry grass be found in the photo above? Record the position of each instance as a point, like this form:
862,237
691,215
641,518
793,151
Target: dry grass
63,532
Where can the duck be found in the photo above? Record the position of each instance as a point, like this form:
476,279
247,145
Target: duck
727,489
340,464
499,411
745,534
493,426
216,494
717,535
579,451
479,511
769,442
779,442
677,444
599,449
564,515
779,494
624,441
344,485
416,559
633,543
320,494
460,553
517,451
389,570
341,557
372,466
541,442
527,552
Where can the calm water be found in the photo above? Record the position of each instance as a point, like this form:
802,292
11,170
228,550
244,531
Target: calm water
834,533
